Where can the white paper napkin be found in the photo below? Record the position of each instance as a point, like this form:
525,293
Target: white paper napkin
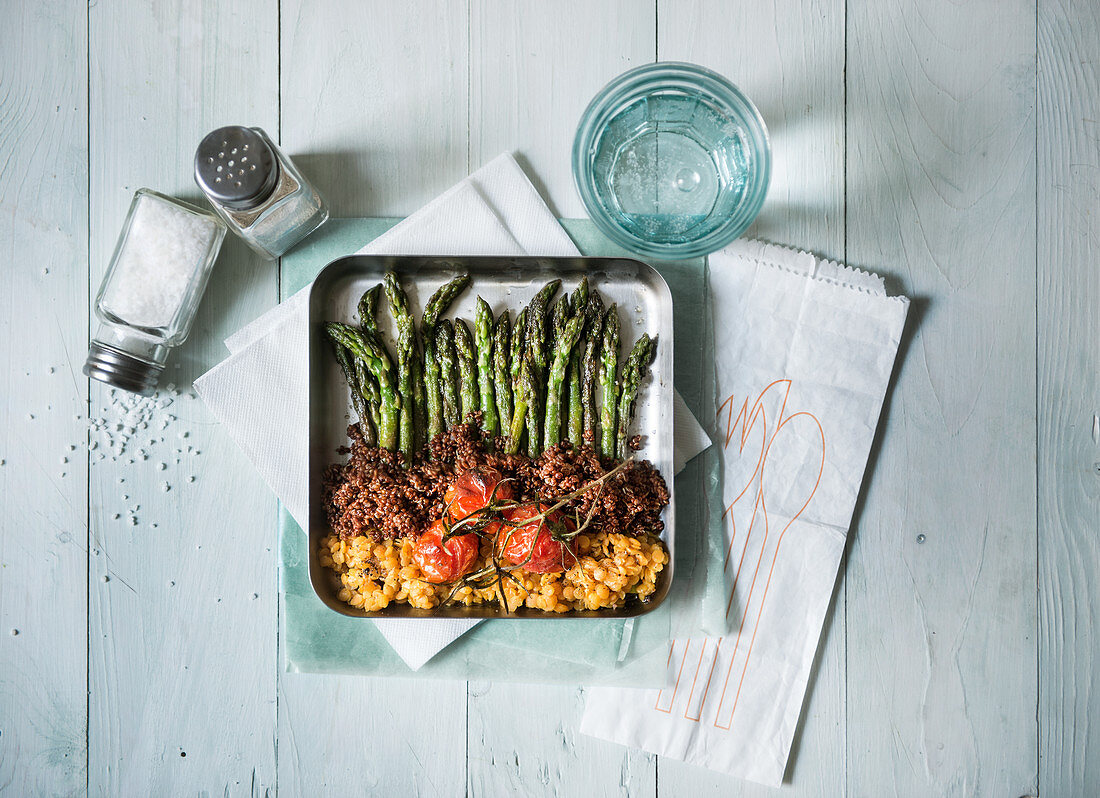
804,352
260,393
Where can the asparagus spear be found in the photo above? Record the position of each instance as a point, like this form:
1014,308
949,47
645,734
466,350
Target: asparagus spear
516,358
406,355
345,360
563,349
574,408
368,308
442,299
371,352
369,389
502,341
518,346
524,390
636,367
559,317
536,350
420,403
448,366
483,339
609,366
580,294
368,323
592,336
536,327
533,395
467,369
437,305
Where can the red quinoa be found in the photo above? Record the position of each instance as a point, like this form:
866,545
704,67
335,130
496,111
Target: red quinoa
374,494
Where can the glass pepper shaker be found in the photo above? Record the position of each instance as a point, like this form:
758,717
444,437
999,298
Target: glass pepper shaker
152,289
257,189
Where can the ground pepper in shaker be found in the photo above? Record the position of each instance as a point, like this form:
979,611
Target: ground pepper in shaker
151,290
257,189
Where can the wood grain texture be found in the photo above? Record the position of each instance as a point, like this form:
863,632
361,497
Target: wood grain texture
1069,397
938,653
789,60
183,604
378,94
523,740
940,582
43,317
374,100
534,67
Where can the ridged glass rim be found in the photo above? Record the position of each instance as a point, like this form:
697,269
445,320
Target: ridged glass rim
644,80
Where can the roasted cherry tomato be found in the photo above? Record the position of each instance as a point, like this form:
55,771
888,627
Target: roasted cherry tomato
472,490
444,562
531,545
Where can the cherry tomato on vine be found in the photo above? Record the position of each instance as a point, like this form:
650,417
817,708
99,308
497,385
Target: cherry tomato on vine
473,490
444,562
527,540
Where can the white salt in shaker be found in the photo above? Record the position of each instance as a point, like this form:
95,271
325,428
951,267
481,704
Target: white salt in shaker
151,290
257,189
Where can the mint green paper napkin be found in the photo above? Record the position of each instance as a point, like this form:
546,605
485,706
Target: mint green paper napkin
576,651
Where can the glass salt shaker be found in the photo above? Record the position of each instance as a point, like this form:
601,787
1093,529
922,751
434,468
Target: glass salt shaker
152,289
257,189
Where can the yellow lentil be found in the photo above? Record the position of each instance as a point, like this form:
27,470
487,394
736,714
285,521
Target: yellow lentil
609,568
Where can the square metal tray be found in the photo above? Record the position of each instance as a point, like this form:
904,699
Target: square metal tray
645,305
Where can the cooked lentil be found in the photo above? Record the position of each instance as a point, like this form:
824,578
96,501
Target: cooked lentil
610,569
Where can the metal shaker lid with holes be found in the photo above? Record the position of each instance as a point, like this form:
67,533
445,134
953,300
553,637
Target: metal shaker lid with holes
236,168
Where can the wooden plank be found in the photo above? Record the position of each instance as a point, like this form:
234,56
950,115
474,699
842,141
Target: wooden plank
374,100
523,740
183,604
43,526
1069,384
377,93
789,59
940,583
533,68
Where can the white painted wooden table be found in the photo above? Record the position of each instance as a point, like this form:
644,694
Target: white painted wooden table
953,147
